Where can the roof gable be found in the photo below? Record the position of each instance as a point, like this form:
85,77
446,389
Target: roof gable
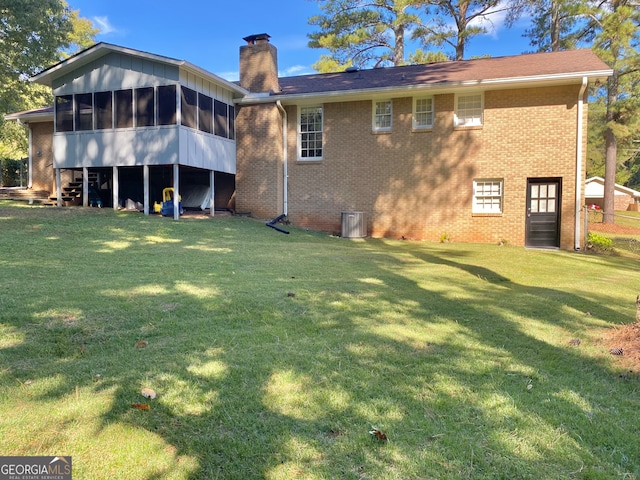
86,57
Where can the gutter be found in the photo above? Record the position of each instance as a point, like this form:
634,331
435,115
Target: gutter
578,209
285,169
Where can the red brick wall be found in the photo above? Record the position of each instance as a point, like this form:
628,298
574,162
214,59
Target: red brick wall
419,185
42,164
259,177
43,174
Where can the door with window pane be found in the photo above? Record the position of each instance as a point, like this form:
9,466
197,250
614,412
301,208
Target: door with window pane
543,213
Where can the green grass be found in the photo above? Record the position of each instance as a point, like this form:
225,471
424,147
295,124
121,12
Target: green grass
274,355
624,243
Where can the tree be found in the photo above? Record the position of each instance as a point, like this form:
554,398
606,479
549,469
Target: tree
611,27
616,42
556,24
363,33
34,34
420,57
454,22
328,64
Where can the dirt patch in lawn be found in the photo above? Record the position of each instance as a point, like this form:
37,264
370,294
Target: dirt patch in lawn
613,228
624,342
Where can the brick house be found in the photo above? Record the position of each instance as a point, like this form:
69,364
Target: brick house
624,198
483,150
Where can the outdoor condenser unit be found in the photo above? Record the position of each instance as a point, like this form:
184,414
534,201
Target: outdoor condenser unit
353,225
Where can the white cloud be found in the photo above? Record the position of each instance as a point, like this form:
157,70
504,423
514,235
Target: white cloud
296,70
104,25
232,76
493,20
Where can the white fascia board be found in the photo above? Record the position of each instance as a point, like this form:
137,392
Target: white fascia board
395,92
30,117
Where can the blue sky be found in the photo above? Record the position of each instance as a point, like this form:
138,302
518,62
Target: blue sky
208,33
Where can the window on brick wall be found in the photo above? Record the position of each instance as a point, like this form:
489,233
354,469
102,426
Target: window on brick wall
310,130
468,110
487,195
422,112
382,114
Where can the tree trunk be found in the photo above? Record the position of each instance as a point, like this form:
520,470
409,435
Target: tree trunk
398,51
555,26
611,149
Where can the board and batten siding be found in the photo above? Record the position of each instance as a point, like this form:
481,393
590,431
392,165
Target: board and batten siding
116,71
157,145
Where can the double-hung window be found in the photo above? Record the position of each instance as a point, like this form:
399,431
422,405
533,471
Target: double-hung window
422,113
310,130
382,115
468,110
487,195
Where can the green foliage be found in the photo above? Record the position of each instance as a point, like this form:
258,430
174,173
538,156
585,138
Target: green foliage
11,171
328,64
445,238
453,24
421,57
34,34
616,24
599,243
363,34
556,24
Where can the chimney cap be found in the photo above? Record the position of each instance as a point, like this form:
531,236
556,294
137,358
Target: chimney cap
257,38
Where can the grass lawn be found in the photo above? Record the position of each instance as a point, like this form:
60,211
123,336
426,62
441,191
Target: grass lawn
274,355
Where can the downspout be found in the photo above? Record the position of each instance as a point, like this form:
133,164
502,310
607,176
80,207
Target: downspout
285,169
579,179
30,164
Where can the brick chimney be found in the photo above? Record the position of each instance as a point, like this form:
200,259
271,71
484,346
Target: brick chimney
259,64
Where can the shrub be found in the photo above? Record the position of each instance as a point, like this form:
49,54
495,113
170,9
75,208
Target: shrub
599,243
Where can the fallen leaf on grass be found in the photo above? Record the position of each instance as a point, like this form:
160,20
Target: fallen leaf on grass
379,434
141,344
148,393
141,406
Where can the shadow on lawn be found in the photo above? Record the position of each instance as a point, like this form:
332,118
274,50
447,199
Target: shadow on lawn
265,385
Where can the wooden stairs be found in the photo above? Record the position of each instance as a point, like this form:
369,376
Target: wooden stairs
71,193
26,194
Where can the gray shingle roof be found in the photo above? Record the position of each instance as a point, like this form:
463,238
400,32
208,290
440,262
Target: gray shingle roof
537,65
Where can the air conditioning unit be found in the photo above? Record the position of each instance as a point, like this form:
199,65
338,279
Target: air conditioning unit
353,225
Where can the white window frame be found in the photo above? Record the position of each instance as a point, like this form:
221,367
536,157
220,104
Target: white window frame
429,111
469,110
377,116
488,195
301,141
